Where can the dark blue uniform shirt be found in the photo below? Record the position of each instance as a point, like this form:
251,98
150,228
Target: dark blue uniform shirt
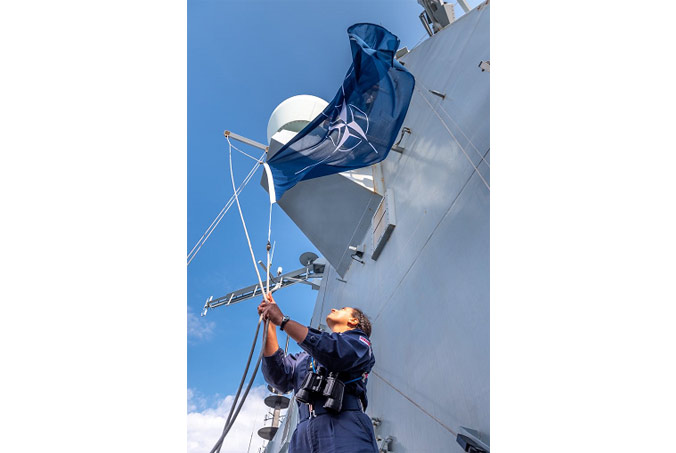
348,353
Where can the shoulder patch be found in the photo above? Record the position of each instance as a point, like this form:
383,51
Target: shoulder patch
366,342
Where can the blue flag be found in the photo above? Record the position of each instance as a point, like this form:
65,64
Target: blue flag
359,126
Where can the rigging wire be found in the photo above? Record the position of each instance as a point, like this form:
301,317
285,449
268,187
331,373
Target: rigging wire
260,161
218,218
459,128
425,35
415,404
422,95
220,215
239,208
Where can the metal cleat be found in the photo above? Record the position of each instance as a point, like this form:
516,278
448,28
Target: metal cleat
384,445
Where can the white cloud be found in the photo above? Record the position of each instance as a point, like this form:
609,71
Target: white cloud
205,426
196,401
199,328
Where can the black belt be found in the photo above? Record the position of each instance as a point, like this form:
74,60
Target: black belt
350,403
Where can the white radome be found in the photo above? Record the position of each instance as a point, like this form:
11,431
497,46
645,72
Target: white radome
295,113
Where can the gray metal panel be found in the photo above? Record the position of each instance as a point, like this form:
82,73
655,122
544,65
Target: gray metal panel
431,173
445,340
428,293
455,72
333,212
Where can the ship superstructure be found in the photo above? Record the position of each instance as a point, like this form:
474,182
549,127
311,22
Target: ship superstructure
407,241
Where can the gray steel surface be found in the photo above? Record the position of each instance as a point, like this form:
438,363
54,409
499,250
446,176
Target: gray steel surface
428,293
333,212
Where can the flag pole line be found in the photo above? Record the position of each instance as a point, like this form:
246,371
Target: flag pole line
241,215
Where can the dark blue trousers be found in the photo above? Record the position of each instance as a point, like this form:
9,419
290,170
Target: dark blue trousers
347,432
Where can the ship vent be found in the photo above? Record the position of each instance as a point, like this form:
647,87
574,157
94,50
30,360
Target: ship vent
383,224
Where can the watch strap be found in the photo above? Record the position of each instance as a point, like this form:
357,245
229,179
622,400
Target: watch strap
285,319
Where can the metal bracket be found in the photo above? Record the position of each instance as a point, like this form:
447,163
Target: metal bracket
384,445
396,147
400,53
471,442
206,306
425,20
384,221
438,93
485,65
464,5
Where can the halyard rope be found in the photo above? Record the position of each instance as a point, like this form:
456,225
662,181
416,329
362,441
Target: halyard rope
239,208
232,416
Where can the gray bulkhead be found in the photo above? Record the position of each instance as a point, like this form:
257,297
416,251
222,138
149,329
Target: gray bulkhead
427,294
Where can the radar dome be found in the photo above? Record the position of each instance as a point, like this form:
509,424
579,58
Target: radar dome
295,113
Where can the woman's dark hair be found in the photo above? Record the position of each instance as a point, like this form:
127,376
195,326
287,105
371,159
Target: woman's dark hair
364,323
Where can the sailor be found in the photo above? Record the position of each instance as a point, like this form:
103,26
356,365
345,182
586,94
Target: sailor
326,424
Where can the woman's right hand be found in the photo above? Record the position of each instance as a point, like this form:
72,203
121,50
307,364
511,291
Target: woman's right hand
264,303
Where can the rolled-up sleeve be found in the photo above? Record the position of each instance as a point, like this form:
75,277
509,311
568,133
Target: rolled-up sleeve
279,370
345,352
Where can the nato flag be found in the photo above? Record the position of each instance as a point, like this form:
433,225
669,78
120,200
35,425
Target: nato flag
359,126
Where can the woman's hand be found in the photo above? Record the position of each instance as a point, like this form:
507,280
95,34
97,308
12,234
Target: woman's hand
263,303
270,310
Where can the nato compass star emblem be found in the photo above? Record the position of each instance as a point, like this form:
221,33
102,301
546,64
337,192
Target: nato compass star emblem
350,132
346,132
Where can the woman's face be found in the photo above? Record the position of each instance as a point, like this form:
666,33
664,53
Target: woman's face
341,317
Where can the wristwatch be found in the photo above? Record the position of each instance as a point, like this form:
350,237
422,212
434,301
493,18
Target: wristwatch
285,319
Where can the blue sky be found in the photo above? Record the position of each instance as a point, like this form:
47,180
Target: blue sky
244,58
